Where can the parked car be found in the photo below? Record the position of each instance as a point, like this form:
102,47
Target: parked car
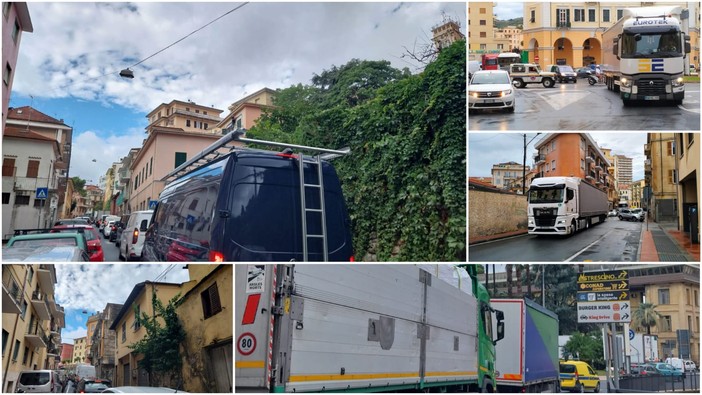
93,385
92,237
612,213
38,381
71,221
564,73
647,370
473,66
119,229
108,229
528,73
667,369
584,72
490,90
578,376
631,214
690,366
105,222
47,239
246,206
44,254
131,244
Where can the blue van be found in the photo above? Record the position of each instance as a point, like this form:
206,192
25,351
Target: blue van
250,205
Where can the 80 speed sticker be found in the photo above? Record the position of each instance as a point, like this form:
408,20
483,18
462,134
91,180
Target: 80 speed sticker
246,344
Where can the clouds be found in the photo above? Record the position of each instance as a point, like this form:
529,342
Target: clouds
90,287
105,148
509,10
77,49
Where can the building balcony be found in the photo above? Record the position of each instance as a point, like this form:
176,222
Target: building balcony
11,293
36,337
40,306
213,118
47,278
591,176
598,167
539,159
563,25
589,159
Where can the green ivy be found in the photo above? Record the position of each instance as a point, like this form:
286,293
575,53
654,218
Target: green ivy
404,181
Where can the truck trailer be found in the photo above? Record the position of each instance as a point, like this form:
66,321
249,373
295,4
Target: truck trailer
564,205
645,54
363,328
527,358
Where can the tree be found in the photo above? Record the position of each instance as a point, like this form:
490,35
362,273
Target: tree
509,280
161,345
585,347
645,316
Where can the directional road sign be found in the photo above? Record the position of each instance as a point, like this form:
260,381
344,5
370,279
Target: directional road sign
604,312
603,297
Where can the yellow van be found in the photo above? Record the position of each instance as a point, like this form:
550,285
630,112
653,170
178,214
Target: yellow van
578,376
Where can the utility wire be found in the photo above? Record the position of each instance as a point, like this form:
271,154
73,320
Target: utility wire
159,51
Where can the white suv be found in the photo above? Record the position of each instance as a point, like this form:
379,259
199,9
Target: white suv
131,242
491,89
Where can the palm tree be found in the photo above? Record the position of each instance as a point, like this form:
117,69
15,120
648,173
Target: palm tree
509,280
645,316
519,281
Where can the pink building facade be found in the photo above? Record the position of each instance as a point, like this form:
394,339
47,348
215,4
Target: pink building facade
15,21
66,352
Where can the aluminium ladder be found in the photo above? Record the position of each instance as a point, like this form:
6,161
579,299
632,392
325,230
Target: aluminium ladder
225,145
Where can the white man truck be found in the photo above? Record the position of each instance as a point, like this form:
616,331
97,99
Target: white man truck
645,54
363,328
564,205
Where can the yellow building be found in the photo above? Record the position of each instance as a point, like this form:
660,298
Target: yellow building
511,33
206,314
128,331
688,162
482,36
31,321
446,33
613,191
571,33
637,193
675,290
80,350
660,174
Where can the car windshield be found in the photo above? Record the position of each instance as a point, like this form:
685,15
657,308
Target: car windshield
635,211
565,68
34,378
490,78
651,44
65,241
546,195
567,368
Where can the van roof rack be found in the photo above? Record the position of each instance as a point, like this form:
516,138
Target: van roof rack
225,145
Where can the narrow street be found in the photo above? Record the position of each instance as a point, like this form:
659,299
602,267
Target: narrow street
611,241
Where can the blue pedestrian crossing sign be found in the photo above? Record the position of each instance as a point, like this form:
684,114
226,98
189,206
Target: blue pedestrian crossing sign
42,193
152,204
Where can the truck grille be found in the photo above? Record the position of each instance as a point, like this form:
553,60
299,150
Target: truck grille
489,95
651,86
545,216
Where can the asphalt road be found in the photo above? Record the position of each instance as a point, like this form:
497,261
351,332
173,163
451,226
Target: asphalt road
110,250
611,241
581,106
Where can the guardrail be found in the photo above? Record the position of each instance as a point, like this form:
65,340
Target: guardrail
690,381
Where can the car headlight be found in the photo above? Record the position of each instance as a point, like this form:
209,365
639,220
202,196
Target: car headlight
506,93
625,82
474,94
678,82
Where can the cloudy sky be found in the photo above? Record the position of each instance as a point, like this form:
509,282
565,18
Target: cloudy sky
68,67
486,149
90,287
508,10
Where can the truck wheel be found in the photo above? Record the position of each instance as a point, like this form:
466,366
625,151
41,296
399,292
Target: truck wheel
573,229
548,83
518,83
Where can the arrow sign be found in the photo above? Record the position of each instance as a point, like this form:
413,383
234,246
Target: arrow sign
42,193
623,296
625,306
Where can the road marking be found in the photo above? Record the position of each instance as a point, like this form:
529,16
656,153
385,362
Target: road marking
586,248
558,100
685,109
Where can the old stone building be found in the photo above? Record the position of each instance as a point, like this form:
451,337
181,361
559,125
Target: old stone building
103,342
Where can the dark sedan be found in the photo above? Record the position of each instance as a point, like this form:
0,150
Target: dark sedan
584,72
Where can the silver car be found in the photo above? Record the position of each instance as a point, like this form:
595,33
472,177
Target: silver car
38,381
491,89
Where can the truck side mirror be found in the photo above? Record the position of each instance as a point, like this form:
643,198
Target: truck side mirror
615,47
687,44
500,326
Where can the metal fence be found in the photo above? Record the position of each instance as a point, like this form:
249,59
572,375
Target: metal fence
689,382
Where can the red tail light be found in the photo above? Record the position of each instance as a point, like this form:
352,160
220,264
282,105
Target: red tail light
216,256
352,259
284,155
135,236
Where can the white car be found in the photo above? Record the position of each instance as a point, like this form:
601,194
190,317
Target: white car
131,243
491,89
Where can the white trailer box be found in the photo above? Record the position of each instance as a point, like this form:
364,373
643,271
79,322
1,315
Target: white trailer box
303,328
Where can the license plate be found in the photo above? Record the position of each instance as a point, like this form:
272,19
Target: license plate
652,97
490,101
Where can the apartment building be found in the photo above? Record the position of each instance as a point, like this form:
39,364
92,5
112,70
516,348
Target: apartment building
103,341
124,185
128,331
31,321
511,33
482,37
508,175
623,165
660,173
15,21
613,192
177,131
688,188
66,353
206,313
446,33
244,113
572,155
637,188
571,33
29,180
80,350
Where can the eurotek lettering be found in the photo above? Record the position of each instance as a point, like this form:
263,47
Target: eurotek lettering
650,22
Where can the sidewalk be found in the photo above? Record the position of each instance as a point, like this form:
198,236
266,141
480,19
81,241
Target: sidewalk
665,243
